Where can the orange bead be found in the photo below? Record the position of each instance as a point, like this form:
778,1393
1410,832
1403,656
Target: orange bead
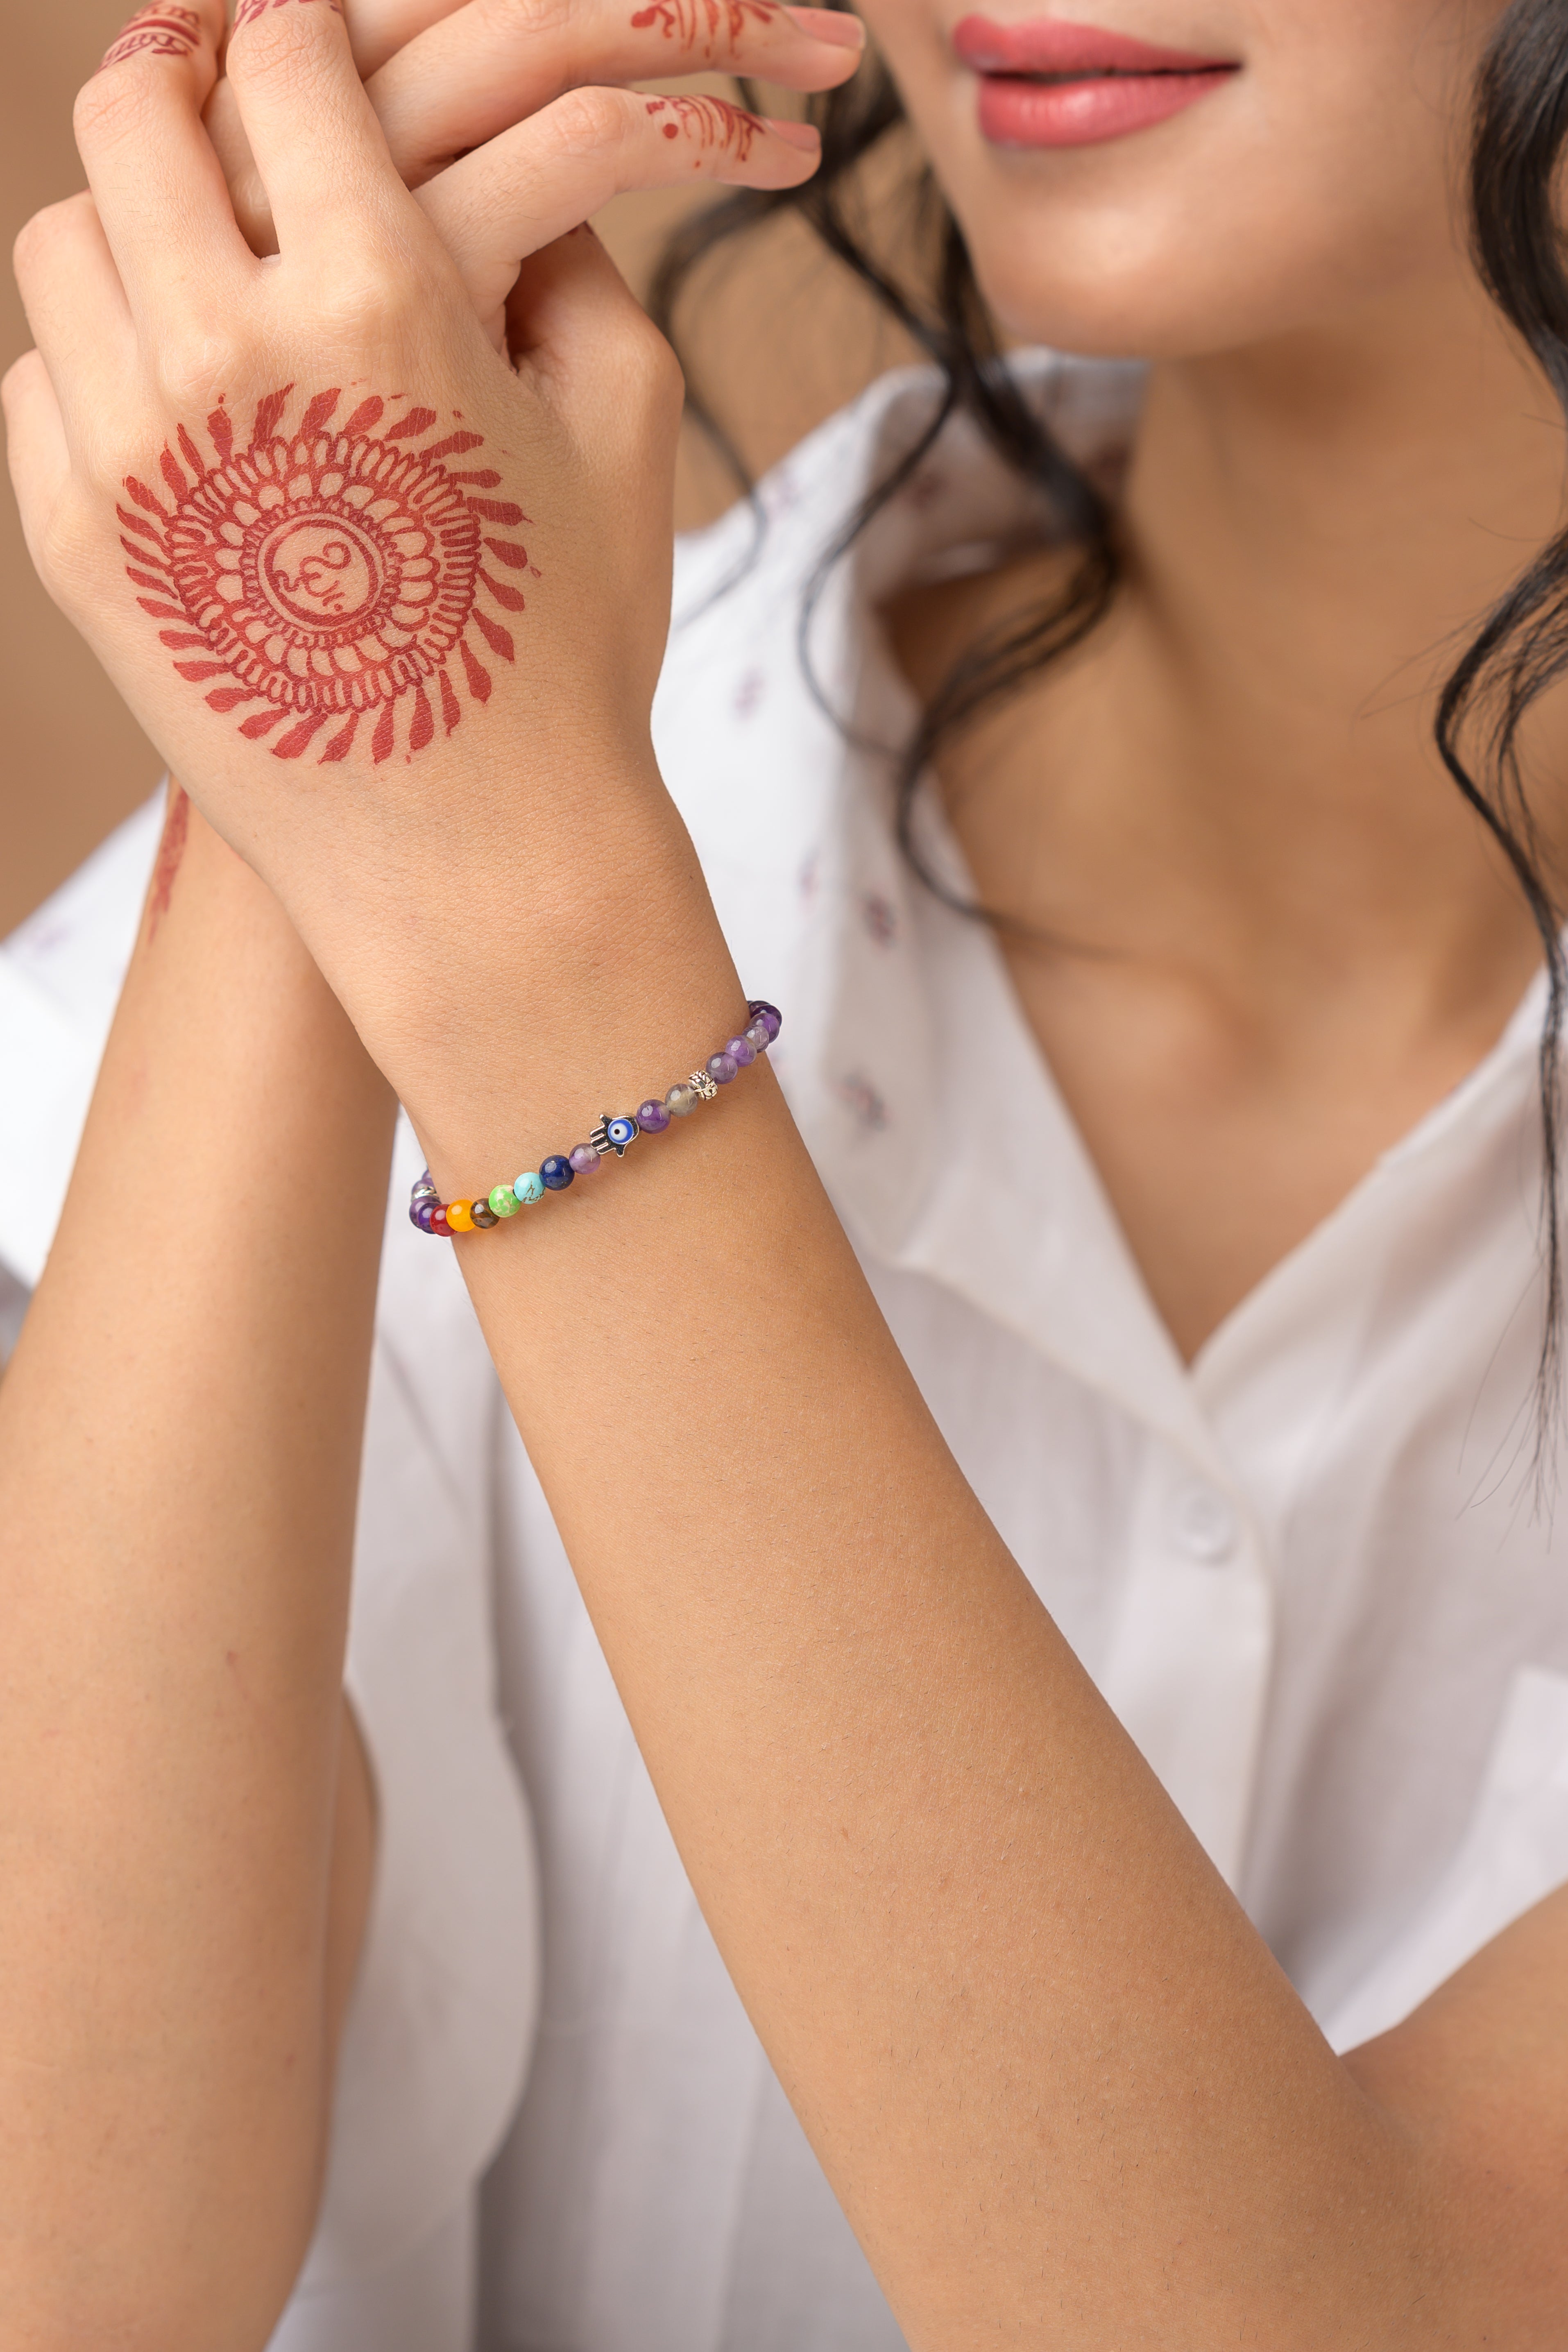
459,1216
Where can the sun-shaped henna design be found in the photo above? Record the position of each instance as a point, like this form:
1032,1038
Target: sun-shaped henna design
328,576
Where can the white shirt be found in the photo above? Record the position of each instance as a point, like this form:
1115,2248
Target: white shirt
1305,1570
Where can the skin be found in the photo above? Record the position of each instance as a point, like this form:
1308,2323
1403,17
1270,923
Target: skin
1059,2085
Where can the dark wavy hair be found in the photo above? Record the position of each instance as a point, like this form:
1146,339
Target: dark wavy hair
1519,649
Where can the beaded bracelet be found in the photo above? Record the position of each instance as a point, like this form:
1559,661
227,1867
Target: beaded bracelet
433,1215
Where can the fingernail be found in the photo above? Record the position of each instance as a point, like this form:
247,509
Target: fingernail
830,25
795,134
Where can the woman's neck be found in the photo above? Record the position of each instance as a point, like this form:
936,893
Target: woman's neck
1268,933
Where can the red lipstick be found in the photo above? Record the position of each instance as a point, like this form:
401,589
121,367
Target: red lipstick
1049,84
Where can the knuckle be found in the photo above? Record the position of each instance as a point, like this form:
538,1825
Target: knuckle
194,366
370,296
277,53
528,18
585,120
112,105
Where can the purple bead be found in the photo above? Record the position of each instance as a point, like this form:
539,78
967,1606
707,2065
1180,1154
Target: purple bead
584,1159
741,1051
652,1116
422,1212
768,1014
721,1068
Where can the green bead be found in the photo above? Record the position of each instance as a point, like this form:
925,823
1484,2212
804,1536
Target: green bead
504,1201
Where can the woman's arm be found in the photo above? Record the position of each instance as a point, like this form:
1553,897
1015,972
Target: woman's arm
1059,2084
186,1822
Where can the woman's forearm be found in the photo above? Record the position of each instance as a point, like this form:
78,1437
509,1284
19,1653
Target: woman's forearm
1065,2093
179,1444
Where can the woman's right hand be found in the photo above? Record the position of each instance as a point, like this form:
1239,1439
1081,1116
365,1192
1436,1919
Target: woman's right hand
445,76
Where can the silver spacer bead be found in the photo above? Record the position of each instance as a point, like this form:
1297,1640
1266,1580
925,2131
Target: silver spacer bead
701,1084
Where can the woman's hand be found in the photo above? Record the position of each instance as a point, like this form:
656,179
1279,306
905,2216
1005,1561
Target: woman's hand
368,585
446,75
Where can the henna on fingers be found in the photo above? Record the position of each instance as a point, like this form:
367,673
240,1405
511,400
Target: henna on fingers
330,576
711,28
710,122
166,32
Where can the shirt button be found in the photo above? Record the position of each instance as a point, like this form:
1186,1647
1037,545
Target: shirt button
1203,1524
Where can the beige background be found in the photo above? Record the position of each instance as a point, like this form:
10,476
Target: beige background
779,331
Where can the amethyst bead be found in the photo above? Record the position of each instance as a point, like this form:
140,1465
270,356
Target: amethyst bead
556,1173
721,1068
757,1037
768,1014
422,1213
584,1159
681,1100
652,1118
741,1051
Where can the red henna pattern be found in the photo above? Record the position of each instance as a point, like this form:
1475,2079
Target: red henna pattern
167,32
171,849
711,121
709,24
325,574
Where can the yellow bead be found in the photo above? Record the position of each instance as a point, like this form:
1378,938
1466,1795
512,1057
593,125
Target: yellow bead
459,1216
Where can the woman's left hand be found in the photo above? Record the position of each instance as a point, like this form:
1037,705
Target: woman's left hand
392,603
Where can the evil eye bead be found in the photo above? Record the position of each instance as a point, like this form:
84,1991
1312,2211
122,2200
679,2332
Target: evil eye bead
529,1188
557,1172
620,1132
460,1216
504,1201
584,1159
652,1118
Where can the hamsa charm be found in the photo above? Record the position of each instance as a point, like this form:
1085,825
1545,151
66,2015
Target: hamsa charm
613,1135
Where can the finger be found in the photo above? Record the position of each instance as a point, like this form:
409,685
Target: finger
154,178
378,28
76,310
543,177
36,447
311,130
482,68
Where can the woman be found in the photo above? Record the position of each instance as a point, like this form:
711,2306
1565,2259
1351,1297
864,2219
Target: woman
1232,1318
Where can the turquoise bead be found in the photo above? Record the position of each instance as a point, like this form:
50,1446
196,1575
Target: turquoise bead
504,1201
528,1187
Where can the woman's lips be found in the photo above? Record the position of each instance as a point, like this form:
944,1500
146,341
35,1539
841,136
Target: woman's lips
1049,84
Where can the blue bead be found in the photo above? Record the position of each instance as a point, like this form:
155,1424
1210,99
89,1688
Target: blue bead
528,1186
621,1131
557,1172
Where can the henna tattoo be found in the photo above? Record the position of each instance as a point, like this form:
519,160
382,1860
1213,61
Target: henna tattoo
248,10
711,121
167,32
171,849
331,575
708,24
